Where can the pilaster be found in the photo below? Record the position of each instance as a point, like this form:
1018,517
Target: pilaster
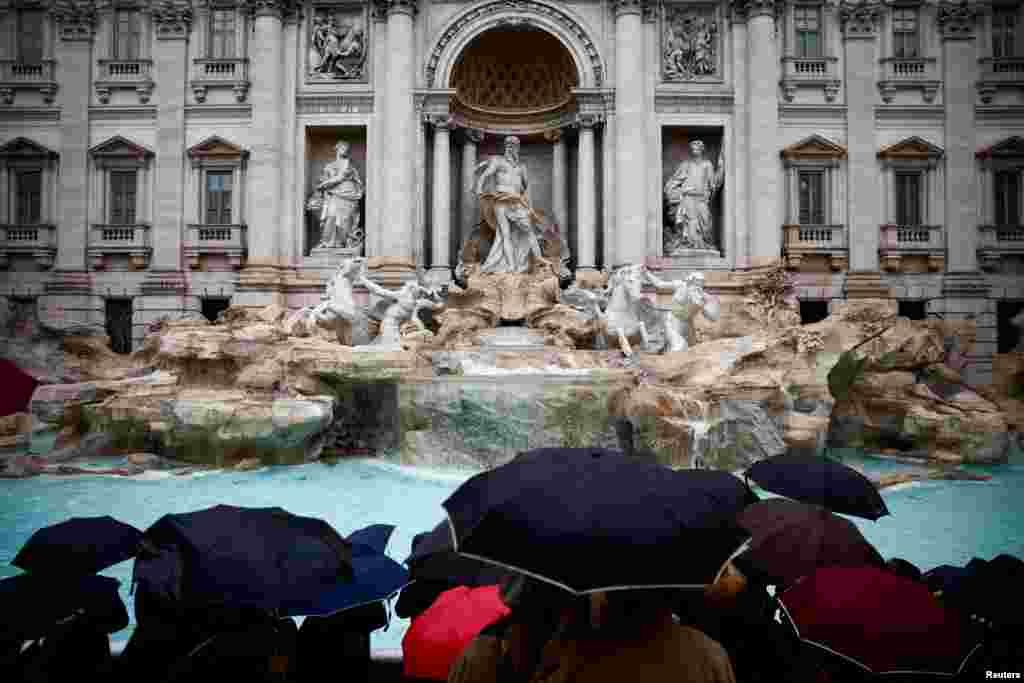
440,266
763,218
559,178
630,160
469,208
736,190
586,195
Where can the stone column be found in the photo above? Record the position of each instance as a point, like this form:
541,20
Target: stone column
68,291
586,197
376,194
630,160
736,193
469,207
559,170
964,288
259,283
763,220
440,266
401,128
860,32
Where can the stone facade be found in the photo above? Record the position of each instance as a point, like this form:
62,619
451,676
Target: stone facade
170,92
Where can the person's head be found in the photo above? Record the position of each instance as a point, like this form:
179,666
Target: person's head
697,149
727,586
341,149
512,147
627,611
901,567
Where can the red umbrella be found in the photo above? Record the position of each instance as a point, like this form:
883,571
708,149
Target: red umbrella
883,623
437,637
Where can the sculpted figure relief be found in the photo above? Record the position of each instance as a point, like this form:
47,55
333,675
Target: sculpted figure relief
399,306
689,193
339,309
503,189
689,47
688,300
340,189
337,49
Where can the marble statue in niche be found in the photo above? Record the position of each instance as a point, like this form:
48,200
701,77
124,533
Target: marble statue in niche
691,45
338,194
689,193
337,46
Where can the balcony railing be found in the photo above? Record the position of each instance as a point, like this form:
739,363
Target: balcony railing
909,69
215,240
126,70
130,240
14,72
220,70
810,68
815,240
999,240
911,237
38,240
1002,68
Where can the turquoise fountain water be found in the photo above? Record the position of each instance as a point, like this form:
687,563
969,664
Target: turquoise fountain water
932,523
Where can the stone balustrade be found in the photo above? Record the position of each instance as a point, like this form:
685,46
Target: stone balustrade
37,240
897,241
830,241
125,74
132,240
810,71
999,72
213,73
997,241
903,73
14,71
215,240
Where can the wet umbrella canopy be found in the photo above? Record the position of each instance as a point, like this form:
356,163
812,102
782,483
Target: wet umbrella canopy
31,605
821,481
434,559
78,547
588,520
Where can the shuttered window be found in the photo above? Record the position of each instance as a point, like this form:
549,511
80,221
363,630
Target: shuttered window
222,34
127,34
123,189
808,31
1007,199
218,197
908,198
28,197
812,197
1004,29
30,36
905,38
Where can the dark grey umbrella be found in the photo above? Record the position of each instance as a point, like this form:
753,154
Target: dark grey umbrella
821,481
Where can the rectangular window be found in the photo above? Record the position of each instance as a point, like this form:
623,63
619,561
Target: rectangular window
808,31
904,33
30,36
1004,26
29,197
127,34
222,34
908,198
1007,198
812,197
123,188
218,197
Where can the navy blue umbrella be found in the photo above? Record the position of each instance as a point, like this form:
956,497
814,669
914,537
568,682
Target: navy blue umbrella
31,605
78,547
375,577
588,520
236,557
821,481
434,558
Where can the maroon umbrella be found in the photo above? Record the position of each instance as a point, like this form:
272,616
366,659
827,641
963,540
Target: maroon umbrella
18,388
791,539
881,622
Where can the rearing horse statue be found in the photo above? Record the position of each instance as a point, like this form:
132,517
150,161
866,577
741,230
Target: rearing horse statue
620,309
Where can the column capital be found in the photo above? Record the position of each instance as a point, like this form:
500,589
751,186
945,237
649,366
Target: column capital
439,121
76,19
760,8
172,18
860,18
553,136
269,8
738,11
409,7
588,121
957,20
473,135
625,7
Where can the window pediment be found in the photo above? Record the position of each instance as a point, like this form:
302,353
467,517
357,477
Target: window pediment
814,149
217,150
21,151
911,151
1011,148
119,151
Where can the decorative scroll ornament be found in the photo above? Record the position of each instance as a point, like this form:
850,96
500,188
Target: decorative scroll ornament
628,7
860,17
957,19
756,8
172,18
275,8
76,19
690,47
337,45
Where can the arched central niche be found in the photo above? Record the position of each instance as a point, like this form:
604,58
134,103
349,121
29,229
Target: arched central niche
514,75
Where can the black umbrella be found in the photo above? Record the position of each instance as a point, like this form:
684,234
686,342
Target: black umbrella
235,557
78,547
790,540
587,520
30,605
434,558
822,481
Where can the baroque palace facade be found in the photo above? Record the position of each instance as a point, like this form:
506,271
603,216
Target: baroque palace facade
164,156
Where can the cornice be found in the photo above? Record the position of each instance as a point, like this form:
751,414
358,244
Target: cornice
909,114
335,103
134,113
957,20
218,111
25,114
804,113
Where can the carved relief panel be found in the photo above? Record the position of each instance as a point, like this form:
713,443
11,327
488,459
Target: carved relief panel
337,43
691,43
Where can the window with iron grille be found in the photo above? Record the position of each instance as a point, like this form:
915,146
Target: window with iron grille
123,190
222,34
905,38
30,36
218,197
1004,28
807,21
812,197
908,198
1007,199
28,197
127,34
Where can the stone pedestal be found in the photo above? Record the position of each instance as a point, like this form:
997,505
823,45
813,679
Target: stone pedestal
866,285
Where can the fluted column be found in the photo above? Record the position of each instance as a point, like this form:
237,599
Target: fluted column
440,268
763,218
559,200
737,193
630,160
469,208
400,128
586,195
